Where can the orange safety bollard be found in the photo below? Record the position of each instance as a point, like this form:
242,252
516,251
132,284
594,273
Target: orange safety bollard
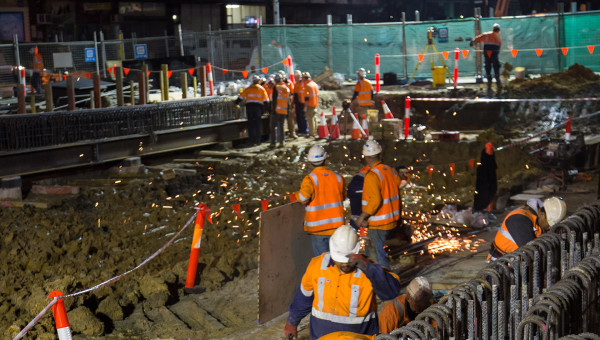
334,132
203,213
386,110
356,128
323,130
365,127
209,75
63,329
406,116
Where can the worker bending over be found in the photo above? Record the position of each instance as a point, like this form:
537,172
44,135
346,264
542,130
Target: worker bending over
491,48
526,223
339,290
381,203
322,192
406,307
257,101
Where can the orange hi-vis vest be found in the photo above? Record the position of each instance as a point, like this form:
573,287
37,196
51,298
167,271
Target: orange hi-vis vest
343,298
299,91
489,38
290,86
504,242
364,89
38,61
393,315
389,211
283,99
312,93
326,210
255,94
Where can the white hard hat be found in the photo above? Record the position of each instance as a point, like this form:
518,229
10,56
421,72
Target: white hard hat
535,204
361,71
371,148
306,75
496,25
556,210
255,79
342,243
419,288
317,155
298,74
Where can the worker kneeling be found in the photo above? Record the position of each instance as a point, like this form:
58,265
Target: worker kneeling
406,307
338,289
526,223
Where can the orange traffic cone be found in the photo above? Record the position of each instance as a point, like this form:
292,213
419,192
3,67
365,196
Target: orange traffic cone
334,133
356,128
323,130
386,110
365,126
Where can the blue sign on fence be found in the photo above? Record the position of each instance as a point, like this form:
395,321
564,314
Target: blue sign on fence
443,34
90,55
140,51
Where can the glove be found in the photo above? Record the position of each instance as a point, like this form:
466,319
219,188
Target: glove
359,261
291,332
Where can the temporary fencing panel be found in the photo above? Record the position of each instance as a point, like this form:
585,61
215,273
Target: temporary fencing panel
579,31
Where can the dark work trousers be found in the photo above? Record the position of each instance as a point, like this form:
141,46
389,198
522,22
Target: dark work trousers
253,113
276,123
491,60
301,118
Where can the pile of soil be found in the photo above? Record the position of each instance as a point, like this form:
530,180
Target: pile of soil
576,81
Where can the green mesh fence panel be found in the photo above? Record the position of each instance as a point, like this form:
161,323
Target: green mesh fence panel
579,31
345,48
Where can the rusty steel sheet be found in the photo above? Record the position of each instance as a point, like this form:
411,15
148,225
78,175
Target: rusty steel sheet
285,251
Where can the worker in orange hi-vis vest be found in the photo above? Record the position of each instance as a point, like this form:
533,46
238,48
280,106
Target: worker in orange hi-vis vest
291,116
491,48
363,92
322,192
279,112
381,201
299,103
257,101
311,97
38,69
405,308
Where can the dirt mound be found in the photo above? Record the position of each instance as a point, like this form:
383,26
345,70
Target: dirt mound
577,81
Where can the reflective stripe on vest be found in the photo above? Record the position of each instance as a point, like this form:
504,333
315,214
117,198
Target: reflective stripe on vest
283,97
307,293
354,300
347,320
321,291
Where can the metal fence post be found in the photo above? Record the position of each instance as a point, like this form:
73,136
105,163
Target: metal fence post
180,34
96,53
167,44
103,47
478,72
119,82
350,44
210,45
17,56
329,22
404,60
260,56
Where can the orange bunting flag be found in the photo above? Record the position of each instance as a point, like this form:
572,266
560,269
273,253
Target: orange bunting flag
292,197
245,74
452,167
89,75
191,71
489,53
465,53
471,163
148,73
264,204
445,54
421,56
225,70
236,208
126,70
110,70
514,52
265,70
539,51
591,48
285,62
564,50
430,170
169,73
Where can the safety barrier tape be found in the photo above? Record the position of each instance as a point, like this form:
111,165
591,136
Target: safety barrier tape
105,283
505,100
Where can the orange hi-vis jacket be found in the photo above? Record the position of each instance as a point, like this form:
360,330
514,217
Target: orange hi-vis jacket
283,98
325,192
38,61
299,91
311,93
347,336
489,38
393,315
290,86
365,90
519,227
381,197
255,94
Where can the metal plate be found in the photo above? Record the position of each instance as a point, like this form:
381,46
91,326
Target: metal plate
285,251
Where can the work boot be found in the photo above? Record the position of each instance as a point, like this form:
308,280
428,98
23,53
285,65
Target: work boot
293,135
280,145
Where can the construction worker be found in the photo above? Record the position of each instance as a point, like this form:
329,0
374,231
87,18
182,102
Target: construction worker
339,289
299,103
355,190
491,48
406,307
526,223
322,192
311,98
381,200
38,69
363,91
257,101
291,117
281,103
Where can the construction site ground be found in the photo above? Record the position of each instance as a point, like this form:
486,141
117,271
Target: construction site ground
120,216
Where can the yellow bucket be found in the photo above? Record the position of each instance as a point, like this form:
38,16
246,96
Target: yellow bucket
520,72
439,75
